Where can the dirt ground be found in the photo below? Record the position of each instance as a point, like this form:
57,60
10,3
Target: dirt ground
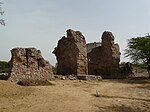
115,95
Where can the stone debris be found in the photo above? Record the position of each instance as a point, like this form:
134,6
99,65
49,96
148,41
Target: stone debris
71,54
28,64
79,77
97,93
63,78
89,77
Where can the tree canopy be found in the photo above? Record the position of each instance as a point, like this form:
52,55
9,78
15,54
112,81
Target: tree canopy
4,67
138,49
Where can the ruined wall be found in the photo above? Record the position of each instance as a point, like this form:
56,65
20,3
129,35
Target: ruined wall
90,46
71,54
28,63
104,60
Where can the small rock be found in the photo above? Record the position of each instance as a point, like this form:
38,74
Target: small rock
97,94
63,78
81,81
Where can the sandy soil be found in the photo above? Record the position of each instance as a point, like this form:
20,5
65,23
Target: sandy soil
77,96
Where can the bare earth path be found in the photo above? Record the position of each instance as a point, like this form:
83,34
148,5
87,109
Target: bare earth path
77,96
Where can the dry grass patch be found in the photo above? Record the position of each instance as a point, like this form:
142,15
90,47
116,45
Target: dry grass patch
9,89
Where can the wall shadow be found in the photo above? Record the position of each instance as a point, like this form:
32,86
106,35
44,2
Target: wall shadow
135,80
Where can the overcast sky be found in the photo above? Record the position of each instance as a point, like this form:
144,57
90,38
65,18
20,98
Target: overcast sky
41,23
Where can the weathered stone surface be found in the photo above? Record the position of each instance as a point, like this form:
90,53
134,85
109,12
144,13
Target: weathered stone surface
79,77
71,54
90,77
28,63
90,46
126,70
104,60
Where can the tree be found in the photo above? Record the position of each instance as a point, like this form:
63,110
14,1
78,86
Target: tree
138,49
2,21
4,67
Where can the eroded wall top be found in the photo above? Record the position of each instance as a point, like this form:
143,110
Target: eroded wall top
71,54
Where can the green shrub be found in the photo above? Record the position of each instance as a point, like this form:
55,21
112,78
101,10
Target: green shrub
4,67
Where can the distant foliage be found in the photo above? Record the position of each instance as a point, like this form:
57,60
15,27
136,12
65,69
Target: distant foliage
139,50
4,67
139,65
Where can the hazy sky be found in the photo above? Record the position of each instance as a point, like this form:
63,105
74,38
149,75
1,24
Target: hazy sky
41,23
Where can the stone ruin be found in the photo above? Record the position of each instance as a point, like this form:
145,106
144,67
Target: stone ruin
28,64
90,46
104,60
71,54
126,70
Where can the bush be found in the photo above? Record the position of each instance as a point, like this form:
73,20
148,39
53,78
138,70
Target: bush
4,67
143,66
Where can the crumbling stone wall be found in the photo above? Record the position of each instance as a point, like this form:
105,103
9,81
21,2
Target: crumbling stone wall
104,60
90,46
126,70
28,63
71,54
